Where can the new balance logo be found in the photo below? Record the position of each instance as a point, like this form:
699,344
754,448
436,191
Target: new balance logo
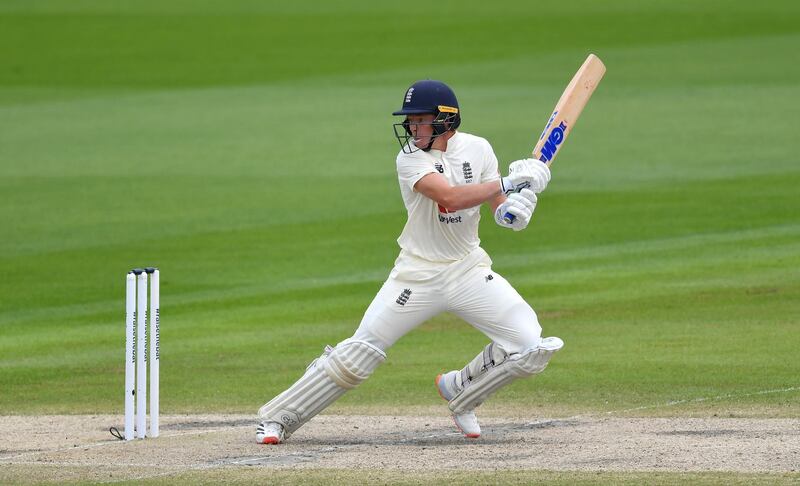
404,295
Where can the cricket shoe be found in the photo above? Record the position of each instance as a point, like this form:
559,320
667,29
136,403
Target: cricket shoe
466,422
269,433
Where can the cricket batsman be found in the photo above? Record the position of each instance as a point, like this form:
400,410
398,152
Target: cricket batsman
445,175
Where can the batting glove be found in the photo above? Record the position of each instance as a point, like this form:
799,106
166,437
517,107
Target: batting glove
526,173
521,205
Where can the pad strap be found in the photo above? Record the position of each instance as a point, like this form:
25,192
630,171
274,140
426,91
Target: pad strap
493,369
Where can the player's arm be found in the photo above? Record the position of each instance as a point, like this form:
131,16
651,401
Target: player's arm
495,202
435,186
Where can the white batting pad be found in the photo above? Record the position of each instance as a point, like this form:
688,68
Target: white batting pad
493,369
327,378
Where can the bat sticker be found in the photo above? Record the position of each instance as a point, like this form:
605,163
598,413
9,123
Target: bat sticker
550,147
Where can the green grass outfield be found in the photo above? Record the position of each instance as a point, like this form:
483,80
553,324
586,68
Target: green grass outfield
246,149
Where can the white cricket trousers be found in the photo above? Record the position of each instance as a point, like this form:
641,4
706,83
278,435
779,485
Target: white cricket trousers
468,288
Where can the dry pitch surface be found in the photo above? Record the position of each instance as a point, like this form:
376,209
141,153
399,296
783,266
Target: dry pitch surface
80,448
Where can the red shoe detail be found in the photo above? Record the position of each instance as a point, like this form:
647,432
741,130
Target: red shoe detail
439,377
468,436
270,440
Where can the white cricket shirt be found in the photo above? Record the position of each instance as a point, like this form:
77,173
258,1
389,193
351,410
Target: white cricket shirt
434,235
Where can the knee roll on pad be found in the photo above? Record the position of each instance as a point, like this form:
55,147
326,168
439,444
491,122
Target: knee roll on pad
493,369
350,364
327,378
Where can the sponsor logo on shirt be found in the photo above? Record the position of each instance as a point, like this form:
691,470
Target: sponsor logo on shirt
444,218
439,167
449,219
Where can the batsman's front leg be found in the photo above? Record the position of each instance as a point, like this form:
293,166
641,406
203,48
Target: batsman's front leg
327,378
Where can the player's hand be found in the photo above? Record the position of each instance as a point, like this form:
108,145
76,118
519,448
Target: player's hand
526,173
521,205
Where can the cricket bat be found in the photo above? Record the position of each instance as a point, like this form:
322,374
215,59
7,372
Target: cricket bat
566,112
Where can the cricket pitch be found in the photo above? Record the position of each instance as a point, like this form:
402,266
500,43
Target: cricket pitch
80,447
